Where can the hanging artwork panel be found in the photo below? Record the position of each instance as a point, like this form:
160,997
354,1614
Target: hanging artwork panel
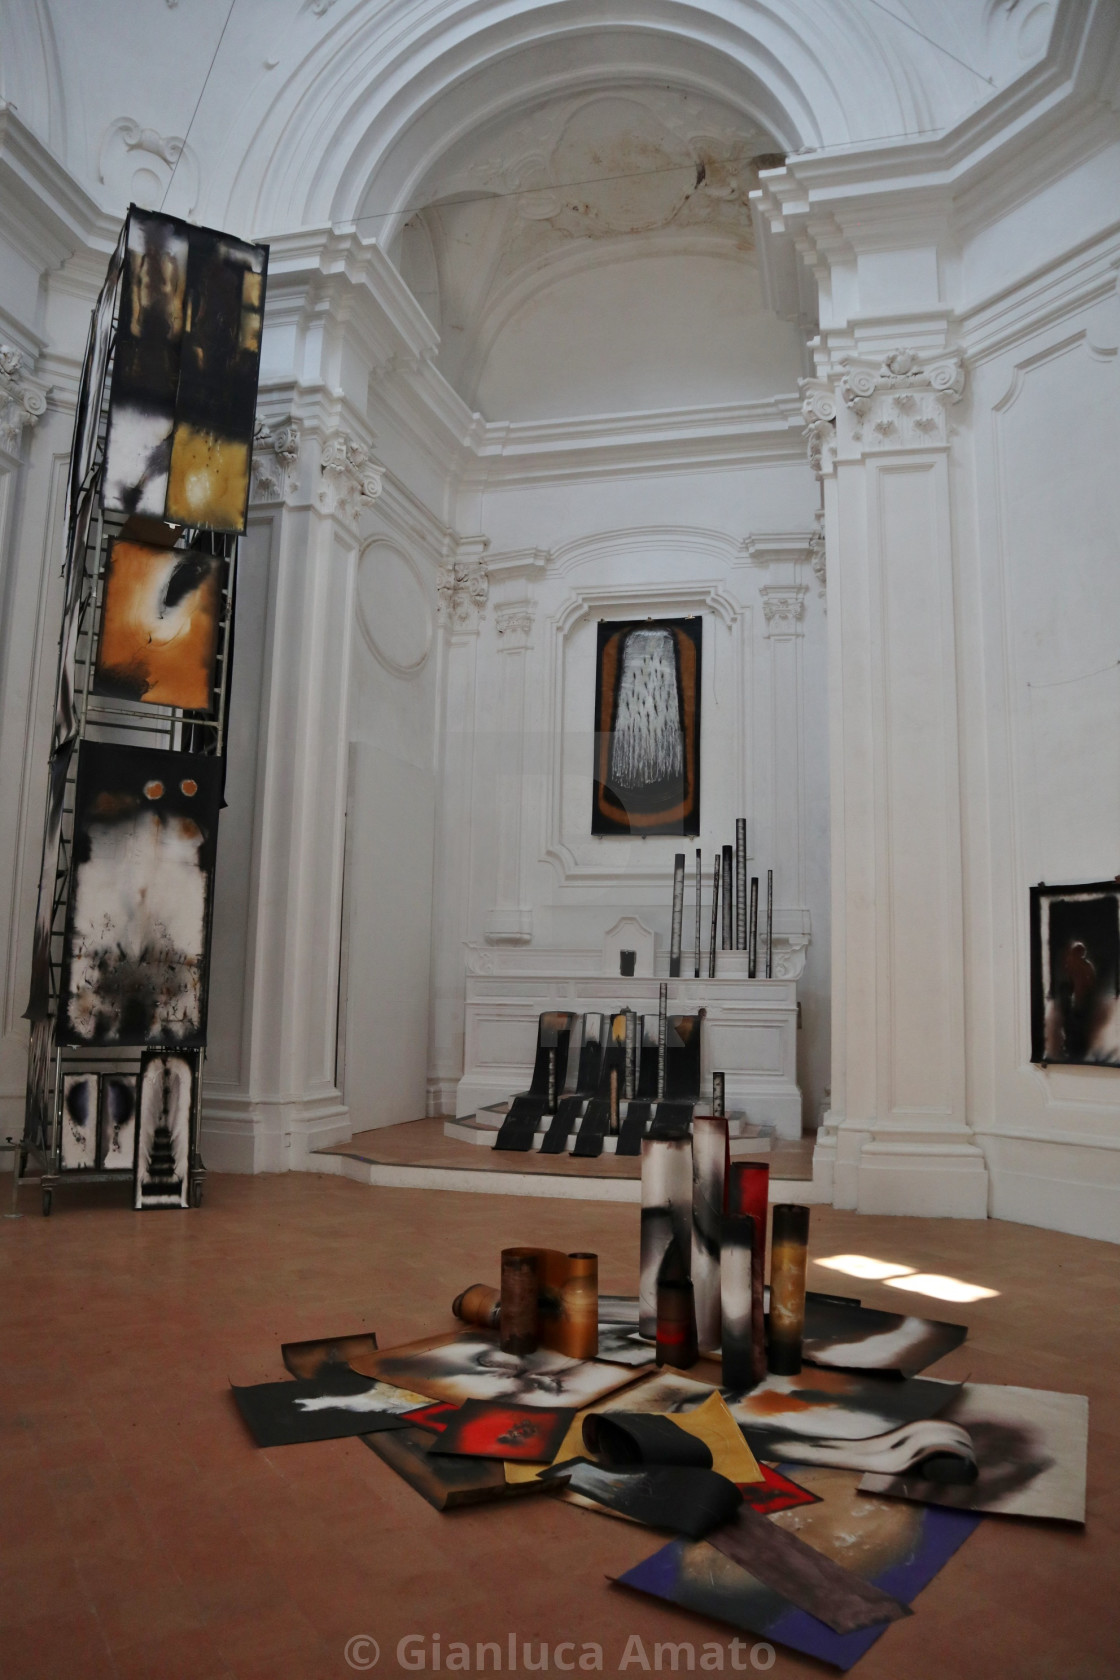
160,617
135,953
183,393
163,1141
1075,974
647,727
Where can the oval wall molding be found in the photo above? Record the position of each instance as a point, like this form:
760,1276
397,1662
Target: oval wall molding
394,612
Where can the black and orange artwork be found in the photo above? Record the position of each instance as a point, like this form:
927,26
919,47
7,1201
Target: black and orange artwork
526,1434
182,401
160,616
647,727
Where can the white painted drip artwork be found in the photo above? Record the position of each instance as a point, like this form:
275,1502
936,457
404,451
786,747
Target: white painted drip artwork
140,904
135,955
648,743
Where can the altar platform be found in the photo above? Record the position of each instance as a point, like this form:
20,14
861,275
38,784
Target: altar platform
418,1155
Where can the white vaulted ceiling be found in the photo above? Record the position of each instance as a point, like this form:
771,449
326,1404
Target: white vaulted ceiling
514,157
526,256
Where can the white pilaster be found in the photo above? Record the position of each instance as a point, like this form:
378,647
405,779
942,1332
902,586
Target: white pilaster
897,1139
464,587
271,1093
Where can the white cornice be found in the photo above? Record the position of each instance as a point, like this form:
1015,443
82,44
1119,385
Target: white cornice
1051,117
55,215
685,439
1052,291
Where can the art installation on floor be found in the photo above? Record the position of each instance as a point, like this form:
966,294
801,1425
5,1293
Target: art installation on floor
156,494
808,1508
647,727
1075,974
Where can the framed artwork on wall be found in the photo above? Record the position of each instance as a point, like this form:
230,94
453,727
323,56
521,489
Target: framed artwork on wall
647,727
1075,974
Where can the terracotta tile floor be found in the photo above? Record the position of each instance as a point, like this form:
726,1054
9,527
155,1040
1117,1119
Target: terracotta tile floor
142,1534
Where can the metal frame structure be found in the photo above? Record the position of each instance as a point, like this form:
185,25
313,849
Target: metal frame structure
105,719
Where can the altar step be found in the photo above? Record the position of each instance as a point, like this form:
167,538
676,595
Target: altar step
418,1155
482,1128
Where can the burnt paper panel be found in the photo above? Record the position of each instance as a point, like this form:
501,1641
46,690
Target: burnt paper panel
164,1138
146,368
78,1145
307,1359
335,1403
136,951
471,1366
647,727
1075,974
159,625
690,1502
445,1482
899,1555
1031,1450
489,1429
786,1564
208,484
117,1122
856,1338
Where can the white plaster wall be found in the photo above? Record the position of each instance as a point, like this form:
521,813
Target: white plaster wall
390,833
1042,724
645,331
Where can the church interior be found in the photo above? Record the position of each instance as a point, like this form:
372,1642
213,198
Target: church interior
559,686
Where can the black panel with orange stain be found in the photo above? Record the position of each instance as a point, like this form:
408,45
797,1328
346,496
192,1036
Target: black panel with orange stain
159,626
647,722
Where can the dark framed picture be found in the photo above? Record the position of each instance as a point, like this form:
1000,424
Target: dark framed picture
1075,974
647,727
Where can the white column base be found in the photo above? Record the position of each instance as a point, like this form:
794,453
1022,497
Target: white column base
922,1175
441,1094
256,1136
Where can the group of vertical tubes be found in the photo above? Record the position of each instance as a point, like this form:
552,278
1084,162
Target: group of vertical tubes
739,928
704,1229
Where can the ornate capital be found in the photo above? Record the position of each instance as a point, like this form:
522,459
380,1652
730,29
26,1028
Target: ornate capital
784,606
351,480
22,400
275,458
901,402
818,410
463,588
515,626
